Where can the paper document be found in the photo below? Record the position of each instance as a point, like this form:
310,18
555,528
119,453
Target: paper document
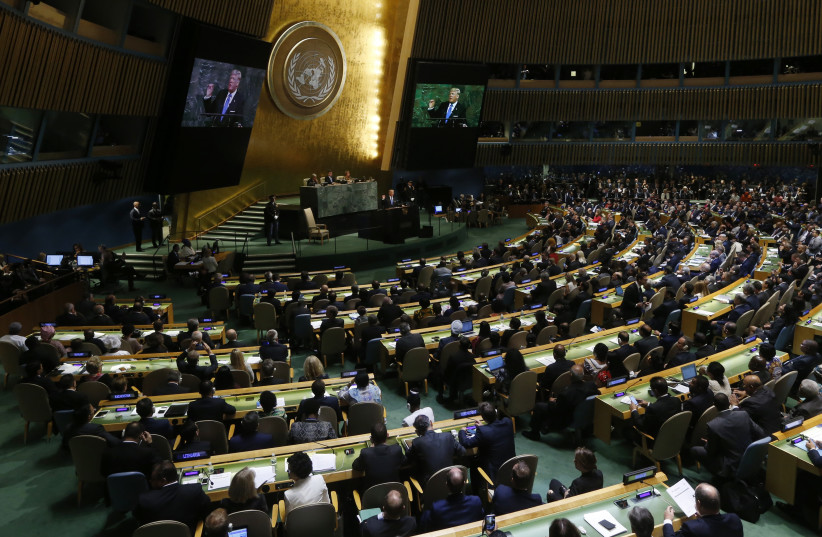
251,360
219,481
625,400
72,369
263,474
595,519
723,298
814,434
706,313
119,368
353,316
683,495
316,324
323,462
679,388
546,360
172,333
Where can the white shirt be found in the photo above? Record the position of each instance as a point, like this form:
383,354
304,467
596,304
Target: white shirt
306,491
210,264
409,421
16,340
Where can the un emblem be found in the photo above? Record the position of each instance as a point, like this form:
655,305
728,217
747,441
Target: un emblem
306,70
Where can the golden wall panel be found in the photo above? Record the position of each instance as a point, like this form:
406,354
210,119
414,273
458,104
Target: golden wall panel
246,16
616,31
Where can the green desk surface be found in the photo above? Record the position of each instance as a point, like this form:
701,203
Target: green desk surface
799,452
136,367
735,364
215,332
574,351
538,527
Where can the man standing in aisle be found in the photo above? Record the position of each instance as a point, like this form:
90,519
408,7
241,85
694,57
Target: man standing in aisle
137,225
155,222
272,220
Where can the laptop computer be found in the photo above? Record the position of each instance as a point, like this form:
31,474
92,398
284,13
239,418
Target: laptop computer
85,261
495,363
437,209
688,372
620,291
54,260
240,531
467,328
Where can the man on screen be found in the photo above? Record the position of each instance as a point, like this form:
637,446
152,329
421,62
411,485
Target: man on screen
228,103
451,113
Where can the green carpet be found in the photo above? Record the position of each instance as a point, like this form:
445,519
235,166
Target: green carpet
39,486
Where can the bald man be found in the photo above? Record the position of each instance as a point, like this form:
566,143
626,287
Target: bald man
455,510
760,403
392,522
710,521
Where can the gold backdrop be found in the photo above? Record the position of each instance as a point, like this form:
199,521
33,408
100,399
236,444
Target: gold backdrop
282,150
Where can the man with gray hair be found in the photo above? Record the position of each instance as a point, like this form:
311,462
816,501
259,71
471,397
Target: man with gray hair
227,105
272,349
14,336
188,361
642,521
811,401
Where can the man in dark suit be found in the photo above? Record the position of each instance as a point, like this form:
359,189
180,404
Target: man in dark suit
451,113
660,314
701,398
271,219
647,341
494,440
702,349
267,377
81,425
710,522
431,451
188,361
331,320
656,413
392,521
729,434
380,462
407,341
272,349
552,372
388,312
632,298
68,398
760,404
169,500
457,509
231,340
228,103
544,288
370,331
730,339
669,280
388,201
193,325
172,385
130,455
558,412
145,409
248,438
515,497
209,407
805,363
70,317
616,357
168,342
318,389
137,225
683,354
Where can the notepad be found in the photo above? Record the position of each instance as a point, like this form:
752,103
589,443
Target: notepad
172,333
219,481
706,313
546,360
814,434
323,462
263,474
316,324
251,360
596,517
70,369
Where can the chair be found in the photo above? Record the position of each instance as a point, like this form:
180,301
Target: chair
214,432
34,407
425,321
276,427
750,465
483,287
352,303
10,360
333,342
320,279
319,305
155,379
446,353
436,488
743,322
87,346
62,419
675,315
348,280
326,413
361,416
124,488
86,451
653,358
245,307
424,277
518,340
582,420
460,315
282,371
584,310
219,300
576,328
523,395
631,362
190,382
782,387
162,528
547,334
303,331
373,351
415,367
315,231
265,318
700,429
485,311
315,520
668,441
784,339
241,378
259,524
374,497
95,391
508,298
161,446
560,383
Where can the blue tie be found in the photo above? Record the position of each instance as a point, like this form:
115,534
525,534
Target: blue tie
448,113
227,102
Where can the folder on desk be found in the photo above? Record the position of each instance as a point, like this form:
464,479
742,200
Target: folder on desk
596,518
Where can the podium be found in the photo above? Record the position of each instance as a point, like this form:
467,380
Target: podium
391,226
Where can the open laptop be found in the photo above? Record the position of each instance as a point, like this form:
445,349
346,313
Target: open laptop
688,372
620,291
437,209
495,363
54,260
239,531
467,328
85,261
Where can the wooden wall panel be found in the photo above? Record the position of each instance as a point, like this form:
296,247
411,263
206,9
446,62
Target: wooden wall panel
46,69
760,102
245,16
616,31
709,153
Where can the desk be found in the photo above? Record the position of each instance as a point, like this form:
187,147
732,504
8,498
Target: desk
808,327
338,198
710,307
391,226
534,522
233,462
65,334
772,263
606,406
161,306
244,400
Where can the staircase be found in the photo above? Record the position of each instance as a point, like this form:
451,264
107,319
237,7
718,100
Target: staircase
246,224
277,263
146,263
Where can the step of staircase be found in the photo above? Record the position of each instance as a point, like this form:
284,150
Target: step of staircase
146,263
275,262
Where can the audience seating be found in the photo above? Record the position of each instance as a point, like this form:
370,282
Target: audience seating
124,488
667,443
86,452
34,407
165,528
374,497
415,368
10,360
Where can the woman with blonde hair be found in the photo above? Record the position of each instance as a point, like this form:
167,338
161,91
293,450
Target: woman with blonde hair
242,494
238,363
313,369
